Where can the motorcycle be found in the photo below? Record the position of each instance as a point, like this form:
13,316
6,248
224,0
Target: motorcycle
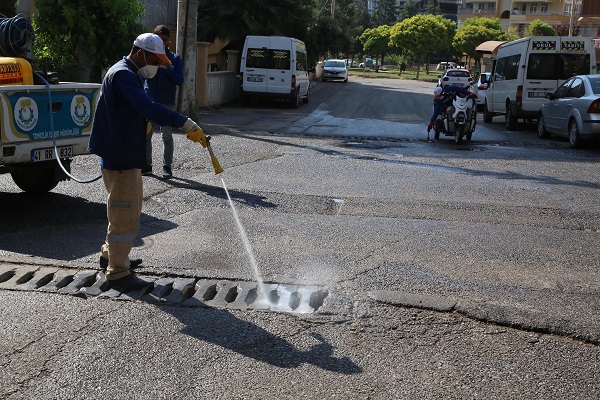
457,118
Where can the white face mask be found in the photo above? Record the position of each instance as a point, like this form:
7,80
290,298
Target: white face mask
147,71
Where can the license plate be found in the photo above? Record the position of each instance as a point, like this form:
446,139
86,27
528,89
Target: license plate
48,154
255,79
536,94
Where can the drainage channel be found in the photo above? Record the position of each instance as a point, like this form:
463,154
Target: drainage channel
184,291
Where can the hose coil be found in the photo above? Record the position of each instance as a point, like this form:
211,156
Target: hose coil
16,37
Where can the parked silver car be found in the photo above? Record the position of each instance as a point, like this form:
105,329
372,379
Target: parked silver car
335,70
573,110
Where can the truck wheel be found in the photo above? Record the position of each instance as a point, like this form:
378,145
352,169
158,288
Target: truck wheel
510,119
35,180
487,115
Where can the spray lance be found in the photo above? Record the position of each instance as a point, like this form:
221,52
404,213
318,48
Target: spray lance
213,158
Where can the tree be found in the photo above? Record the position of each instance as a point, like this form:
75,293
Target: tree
85,36
407,10
432,8
376,40
233,20
539,28
423,35
475,31
386,13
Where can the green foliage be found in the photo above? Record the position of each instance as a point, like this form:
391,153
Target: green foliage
432,8
85,36
386,13
512,34
539,28
408,10
376,40
233,20
475,31
423,34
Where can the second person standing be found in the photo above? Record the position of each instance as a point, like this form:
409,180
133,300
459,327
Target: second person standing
162,89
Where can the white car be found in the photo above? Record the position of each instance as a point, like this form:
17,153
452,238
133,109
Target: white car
456,76
482,86
335,70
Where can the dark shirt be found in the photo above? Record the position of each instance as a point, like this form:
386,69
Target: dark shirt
163,86
119,129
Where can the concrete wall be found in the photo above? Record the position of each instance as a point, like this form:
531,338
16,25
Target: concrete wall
221,87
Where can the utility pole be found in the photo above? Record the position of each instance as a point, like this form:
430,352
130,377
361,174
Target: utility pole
572,18
332,9
187,26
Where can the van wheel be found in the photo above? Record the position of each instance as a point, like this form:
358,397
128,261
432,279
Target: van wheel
295,100
487,115
541,128
305,99
575,140
510,120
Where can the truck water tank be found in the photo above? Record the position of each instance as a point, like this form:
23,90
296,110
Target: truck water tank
15,71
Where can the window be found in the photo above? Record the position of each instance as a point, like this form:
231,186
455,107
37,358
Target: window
508,67
557,66
533,8
300,61
562,90
544,8
267,58
595,82
577,88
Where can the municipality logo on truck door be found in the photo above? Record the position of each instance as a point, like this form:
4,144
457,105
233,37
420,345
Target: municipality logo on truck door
26,113
80,110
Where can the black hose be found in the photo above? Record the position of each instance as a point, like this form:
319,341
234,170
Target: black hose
16,37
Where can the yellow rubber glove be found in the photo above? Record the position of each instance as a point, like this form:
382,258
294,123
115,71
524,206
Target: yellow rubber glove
194,132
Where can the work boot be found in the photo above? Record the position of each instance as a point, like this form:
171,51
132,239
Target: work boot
133,264
167,173
147,170
128,283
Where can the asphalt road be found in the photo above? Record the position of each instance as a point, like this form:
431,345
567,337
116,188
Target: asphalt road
449,271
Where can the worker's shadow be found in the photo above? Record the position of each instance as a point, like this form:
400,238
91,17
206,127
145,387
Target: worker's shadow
222,328
248,199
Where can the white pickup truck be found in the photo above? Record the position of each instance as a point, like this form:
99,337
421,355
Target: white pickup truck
27,150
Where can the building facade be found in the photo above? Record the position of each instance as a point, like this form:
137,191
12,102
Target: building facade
582,15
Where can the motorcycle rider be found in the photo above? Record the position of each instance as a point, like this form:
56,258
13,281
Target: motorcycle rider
443,96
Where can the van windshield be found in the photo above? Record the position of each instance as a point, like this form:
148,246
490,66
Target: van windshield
557,66
268,58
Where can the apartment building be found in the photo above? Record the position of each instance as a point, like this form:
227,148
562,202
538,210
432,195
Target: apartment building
582,15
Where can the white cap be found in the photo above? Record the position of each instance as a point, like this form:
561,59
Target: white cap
153,44
437,90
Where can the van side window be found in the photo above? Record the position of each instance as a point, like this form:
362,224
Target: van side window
300,61
266,58
508,67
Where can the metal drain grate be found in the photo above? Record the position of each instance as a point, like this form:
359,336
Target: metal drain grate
192,292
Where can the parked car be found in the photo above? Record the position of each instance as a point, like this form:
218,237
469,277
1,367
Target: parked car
454,76
368,63
573,110
482,86
444,65
335,70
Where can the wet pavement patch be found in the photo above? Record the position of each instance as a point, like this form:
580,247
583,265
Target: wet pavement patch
183,291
